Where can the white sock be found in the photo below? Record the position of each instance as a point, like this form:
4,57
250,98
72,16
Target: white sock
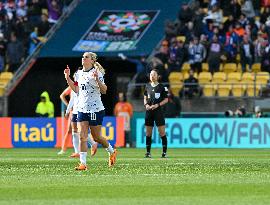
75,141
110,149
83,156
90,140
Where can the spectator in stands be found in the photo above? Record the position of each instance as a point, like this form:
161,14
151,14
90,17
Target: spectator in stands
230,46
197,54
171,29
239,31
265,62
185,14
44,25
259,47
215,14
34,41
173,108
198,22
176,55
45,107
34,11
188,31
214,56
265,14
54,10
235,9
21,9
247,9
124,109
229,23
190,86
15,53
246,53
163,53
3,47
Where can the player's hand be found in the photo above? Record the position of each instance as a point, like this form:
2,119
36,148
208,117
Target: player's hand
148,107
155,106
95,74
67,72
66,115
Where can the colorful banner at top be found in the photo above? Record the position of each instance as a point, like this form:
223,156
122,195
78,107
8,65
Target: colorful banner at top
116,31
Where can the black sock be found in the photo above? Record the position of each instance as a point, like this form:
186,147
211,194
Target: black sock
148,143
164,143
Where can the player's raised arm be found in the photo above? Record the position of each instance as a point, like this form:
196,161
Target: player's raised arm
73,86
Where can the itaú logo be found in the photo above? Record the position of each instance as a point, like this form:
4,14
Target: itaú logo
23,133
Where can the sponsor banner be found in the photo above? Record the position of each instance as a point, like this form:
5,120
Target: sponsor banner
5,133
210,133
48,132
118,30
33,132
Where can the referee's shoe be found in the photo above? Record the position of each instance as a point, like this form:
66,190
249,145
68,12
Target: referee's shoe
147,155
164,155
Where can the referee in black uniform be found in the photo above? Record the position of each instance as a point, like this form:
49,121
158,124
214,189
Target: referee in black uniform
155,96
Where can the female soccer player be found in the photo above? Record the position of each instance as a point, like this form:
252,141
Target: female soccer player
155,96
73,106
89,86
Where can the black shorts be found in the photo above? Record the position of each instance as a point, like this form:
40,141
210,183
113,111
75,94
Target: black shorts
156,116
74,118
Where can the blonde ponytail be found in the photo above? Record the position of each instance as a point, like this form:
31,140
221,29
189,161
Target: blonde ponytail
96,64
99,67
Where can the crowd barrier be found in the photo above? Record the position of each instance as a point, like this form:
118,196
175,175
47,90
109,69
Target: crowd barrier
49,132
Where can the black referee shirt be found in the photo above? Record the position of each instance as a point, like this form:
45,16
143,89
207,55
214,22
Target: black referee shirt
155,94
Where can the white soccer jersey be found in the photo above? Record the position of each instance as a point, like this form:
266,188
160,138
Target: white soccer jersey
74,96
89,98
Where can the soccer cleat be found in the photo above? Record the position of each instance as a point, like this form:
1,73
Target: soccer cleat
164,155
81,167
112,158
61,152
94,149
147,155
75,155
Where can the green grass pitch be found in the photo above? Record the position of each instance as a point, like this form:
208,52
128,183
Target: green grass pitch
188,176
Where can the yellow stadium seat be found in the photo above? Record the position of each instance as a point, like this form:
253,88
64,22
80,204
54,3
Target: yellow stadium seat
209,90
181,38
239,68
224,18
204,77
220,67
219,77
5,77
253,90
2,89
176,76
229,67
238,89
185,67
224,89
261,78
238,58
234,77
176,87
186,75
247,77
256,67
205,67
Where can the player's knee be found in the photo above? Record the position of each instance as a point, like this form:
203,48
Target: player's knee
83,138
